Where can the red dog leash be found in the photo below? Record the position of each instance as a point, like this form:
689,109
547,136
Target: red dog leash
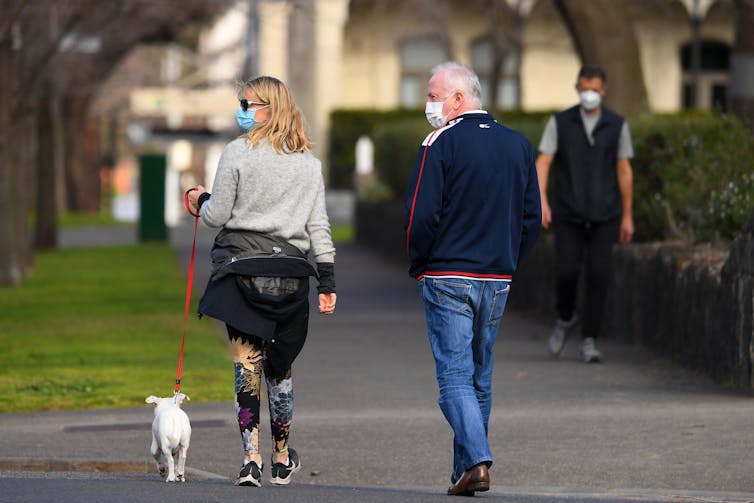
188,290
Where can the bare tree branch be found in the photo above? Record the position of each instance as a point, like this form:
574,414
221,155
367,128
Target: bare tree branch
570,26
13,14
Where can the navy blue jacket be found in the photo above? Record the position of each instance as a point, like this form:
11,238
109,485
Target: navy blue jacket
472,205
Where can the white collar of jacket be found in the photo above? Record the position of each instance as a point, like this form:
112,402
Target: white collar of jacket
431,137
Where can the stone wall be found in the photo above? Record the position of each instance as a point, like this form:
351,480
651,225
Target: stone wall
695,304
669,296
738,277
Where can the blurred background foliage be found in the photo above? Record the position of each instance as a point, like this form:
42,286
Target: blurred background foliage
693,177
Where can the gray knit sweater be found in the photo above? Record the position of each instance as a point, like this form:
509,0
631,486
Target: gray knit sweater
282,195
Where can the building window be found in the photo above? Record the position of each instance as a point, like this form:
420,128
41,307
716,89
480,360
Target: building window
712,88
418,57
508,92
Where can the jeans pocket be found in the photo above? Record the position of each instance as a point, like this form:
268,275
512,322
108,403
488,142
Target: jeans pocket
452,295
498,303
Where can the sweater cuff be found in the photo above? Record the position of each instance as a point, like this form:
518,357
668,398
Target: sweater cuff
326,274
202,199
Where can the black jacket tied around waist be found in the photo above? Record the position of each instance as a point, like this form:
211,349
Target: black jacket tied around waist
260,286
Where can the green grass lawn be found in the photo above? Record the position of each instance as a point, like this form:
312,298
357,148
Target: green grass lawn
83,219
101,327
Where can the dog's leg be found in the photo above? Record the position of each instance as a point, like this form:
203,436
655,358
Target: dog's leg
157,454
171,465
180,469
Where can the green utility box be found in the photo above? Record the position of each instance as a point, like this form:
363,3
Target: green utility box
152,169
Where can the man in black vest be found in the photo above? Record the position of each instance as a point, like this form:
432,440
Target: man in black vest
588,148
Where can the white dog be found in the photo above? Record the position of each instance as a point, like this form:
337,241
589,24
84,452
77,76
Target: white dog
171,434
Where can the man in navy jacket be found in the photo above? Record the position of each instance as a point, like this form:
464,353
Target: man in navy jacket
473,212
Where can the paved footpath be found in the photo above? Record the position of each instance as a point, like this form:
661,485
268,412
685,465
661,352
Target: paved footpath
637,428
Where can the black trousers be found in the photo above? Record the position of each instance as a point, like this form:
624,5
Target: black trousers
579,246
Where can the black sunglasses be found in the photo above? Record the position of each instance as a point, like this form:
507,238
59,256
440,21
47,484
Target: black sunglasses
245,104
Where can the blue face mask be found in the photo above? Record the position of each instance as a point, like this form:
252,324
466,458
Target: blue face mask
245,118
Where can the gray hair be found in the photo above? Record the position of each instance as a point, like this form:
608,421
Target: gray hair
460,76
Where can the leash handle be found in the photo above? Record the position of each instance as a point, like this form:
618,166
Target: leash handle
179,373
186,202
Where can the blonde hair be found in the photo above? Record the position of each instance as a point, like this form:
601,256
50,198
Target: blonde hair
285,127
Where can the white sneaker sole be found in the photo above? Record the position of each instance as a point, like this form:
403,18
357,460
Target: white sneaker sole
249,481
278,481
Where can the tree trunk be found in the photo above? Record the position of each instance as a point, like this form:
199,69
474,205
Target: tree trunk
81,157
742,64
506,27
10,273
46,232
59,138
603,34
25,169
12,261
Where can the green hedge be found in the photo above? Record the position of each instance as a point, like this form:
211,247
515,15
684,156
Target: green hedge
401,131
693,176
693,172
346,126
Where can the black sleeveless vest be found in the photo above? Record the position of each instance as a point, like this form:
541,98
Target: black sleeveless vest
584,175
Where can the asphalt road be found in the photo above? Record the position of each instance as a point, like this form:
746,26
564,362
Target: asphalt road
367,427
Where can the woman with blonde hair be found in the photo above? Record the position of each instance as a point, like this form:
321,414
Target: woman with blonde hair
269,199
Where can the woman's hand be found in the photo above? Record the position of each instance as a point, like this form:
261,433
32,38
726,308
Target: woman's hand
326,303
193,196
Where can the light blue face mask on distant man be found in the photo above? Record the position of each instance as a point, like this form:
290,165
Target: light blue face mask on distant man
245,115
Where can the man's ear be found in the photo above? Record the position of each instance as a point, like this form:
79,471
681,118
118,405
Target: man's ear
459,98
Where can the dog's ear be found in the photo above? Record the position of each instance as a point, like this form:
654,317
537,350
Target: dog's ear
152,399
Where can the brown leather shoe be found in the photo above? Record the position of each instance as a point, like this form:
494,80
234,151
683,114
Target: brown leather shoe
476,478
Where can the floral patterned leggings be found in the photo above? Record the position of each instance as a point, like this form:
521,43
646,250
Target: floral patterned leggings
248,357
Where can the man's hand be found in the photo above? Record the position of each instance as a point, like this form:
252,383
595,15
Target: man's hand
546,214
626,229
544,161
327,303
626,186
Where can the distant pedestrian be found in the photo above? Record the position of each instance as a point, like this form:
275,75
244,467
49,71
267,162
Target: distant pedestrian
588,148
472,214
269,198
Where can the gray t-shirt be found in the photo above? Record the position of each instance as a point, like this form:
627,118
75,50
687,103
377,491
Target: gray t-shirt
549,142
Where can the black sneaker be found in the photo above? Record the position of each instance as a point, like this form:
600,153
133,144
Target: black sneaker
282,473
251,475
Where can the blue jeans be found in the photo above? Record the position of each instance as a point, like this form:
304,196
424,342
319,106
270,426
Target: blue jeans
463,316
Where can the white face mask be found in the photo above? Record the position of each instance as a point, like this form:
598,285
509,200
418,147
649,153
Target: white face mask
590,99
433,111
